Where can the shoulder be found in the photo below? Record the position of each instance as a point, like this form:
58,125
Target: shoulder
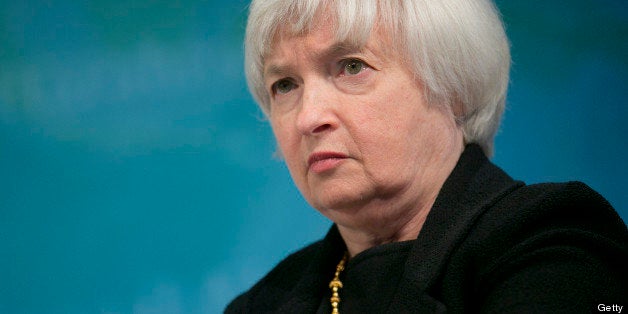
572,193
554,205
568,211
548,244
276,283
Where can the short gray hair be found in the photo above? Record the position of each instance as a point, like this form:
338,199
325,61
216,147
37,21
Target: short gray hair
458,49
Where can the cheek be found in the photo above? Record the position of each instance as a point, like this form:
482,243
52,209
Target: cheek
396,135
288,145
385,147
282,134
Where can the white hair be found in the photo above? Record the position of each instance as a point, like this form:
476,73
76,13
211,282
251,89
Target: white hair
458,49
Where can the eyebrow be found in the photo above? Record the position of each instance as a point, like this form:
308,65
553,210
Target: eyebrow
336,49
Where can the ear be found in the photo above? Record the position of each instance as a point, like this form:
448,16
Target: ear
457,109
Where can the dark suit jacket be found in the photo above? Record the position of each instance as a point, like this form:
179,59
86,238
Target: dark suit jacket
489,244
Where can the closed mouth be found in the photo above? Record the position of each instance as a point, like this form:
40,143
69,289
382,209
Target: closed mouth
316,157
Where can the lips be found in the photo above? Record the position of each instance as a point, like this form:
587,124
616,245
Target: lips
324,161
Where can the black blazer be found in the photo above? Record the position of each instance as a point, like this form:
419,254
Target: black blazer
489,244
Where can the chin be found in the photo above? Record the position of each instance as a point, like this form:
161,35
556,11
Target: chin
340,193
338,200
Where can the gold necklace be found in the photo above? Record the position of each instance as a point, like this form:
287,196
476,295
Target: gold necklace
336,284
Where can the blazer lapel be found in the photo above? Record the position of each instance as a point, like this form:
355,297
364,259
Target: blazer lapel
305,295
474,184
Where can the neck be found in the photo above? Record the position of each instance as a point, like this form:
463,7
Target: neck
402,228
396,219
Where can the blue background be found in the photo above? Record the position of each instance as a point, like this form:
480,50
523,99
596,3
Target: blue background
137,175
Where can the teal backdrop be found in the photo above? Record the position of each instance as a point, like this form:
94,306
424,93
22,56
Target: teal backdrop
137,175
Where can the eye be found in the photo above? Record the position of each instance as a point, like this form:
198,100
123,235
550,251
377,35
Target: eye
283,86
353,66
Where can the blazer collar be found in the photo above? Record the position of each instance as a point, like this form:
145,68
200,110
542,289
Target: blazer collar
473,186
305,295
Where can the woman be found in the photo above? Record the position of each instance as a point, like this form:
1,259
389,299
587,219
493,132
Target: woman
385,112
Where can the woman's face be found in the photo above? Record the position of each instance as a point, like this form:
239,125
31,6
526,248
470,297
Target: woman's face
353,125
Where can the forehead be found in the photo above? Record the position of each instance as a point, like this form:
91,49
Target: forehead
319,37
321,42
325,22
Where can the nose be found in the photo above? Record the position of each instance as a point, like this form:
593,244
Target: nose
316,114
